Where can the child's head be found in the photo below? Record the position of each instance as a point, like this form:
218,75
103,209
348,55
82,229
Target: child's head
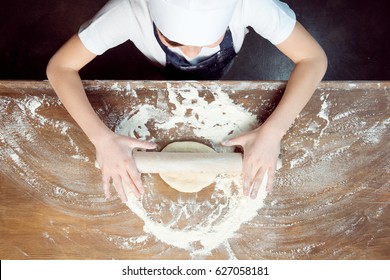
192,22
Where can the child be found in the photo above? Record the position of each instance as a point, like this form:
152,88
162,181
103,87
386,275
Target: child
191,39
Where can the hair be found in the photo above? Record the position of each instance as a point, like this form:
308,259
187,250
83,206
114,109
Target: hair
170,42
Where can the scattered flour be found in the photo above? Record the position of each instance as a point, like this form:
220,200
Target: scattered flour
116,87
210,119
344,115
298,161
215,229
374,134
324,114
338,152
126,90
213,121
313,127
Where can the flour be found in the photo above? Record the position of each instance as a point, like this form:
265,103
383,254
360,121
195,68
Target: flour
344,115
214,121
125,90
324,114
313,127
127,243
26,146
342,151
227,216
298,161
335,157
116,87
374,134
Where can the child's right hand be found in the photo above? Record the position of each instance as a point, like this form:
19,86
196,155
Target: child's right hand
114,157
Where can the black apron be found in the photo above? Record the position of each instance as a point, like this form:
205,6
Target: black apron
212,68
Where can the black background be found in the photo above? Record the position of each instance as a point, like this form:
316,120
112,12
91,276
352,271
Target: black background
354,34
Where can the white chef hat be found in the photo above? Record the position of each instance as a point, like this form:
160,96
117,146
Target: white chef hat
192,22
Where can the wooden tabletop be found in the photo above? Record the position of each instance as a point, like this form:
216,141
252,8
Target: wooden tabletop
330,199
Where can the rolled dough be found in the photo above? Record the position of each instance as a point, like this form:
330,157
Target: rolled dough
188,182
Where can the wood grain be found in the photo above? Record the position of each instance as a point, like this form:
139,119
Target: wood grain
330,200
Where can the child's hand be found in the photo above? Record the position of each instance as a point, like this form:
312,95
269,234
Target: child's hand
114,157
261,151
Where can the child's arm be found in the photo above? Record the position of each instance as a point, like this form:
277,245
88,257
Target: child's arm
113,152
262,145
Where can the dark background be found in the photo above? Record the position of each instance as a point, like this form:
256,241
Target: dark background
354,34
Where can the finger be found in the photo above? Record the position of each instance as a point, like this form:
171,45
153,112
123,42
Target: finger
270,182
135,176
143,144
106,186
237,141
246,176
117,182
258,182
127,182
249,172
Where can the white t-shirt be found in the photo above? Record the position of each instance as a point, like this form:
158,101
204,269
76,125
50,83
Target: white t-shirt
122,20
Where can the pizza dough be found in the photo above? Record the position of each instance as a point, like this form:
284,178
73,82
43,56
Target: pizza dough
188,182
195,182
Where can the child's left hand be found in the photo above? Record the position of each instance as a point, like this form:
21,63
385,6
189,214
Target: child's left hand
261,151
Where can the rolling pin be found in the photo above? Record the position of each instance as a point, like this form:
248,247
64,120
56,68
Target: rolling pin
179,162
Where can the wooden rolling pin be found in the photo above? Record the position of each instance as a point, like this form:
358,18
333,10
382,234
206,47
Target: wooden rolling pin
178,162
